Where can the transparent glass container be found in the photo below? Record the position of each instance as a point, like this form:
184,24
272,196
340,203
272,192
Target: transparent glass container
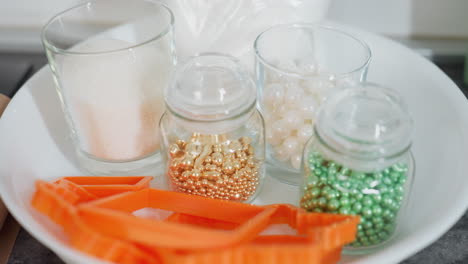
212,133
358,161
111,61
297,66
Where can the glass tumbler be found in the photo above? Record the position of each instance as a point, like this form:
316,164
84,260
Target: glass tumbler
212,133
358,162
297,65
111,61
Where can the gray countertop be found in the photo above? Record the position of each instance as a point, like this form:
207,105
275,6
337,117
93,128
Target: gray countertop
451,248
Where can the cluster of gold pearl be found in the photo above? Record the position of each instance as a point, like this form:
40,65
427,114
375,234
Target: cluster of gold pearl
214,166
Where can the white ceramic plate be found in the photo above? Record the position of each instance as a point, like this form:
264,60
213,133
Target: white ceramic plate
34,144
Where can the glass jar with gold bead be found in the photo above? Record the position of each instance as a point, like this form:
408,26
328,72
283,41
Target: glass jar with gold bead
212,133
358,161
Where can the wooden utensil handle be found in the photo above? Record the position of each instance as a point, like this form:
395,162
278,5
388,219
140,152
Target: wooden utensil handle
3,211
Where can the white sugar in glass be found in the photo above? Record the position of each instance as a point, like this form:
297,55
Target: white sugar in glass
111,61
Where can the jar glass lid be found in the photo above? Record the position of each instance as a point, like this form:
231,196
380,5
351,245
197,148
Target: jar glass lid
210,87
367,122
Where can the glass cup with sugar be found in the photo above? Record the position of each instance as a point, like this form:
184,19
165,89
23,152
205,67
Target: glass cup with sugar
111,61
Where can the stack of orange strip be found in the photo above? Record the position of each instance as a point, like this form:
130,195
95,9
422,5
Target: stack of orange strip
96,214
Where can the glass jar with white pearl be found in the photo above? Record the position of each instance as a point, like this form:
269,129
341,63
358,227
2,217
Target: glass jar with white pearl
297,65
358,162
213,136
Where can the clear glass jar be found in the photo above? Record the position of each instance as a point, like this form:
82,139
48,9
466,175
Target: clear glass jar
358,161
297,65
212,133
111,61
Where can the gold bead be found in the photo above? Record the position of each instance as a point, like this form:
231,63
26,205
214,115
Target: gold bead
210,167
181,144
245,140
195,174
208,160
251,162
217,148
235,146
175,152
217,158
185,175
250,150
236,164
228,168
211,175
194,149
186,163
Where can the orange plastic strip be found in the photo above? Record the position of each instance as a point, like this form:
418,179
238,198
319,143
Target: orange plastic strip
104,186
202,231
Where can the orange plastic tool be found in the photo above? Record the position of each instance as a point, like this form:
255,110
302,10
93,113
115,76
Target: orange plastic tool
104,186
202,230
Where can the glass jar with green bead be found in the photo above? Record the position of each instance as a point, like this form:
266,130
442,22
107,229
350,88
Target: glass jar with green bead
358,161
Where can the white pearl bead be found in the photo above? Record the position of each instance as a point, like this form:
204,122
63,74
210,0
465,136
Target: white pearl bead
307,68
274,93
280,129
271,138
291,145
281,154
308,106
293,119
304,133
296,160
293,92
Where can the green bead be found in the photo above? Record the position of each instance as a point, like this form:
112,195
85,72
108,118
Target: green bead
376,210
370,232
387,181
389,216
382,235
402,181
387,201
359,196
367,201
345,184
377,198
378,176
332,170
379,226
356,244
344,194
318,172
322,202
344,201
367,225
389,228
357,207
395,176
359,227
345,210
377,220
364,240
315,192
386,213
332,195
333,204
400,167
383,189
345,171
386,171
400,190
374,239
366,212
317,210
361,234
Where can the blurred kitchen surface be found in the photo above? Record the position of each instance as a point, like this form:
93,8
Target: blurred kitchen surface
438,29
